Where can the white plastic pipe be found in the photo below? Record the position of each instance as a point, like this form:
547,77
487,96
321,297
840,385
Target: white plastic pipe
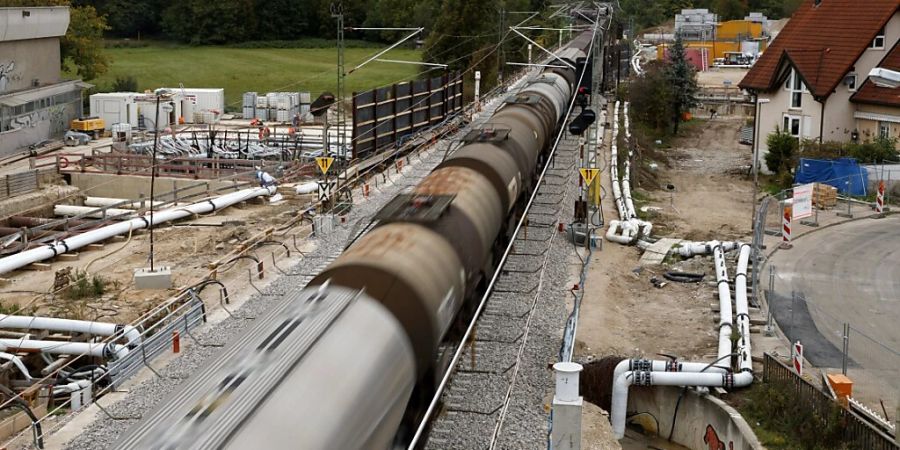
99,202
645,378
690,249
25,258
742,311
16,361
90,211
307,188
655,365
130,333
725,312
107,350
71,387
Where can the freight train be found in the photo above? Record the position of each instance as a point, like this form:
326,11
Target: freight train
350,360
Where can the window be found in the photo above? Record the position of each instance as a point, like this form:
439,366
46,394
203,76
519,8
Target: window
792,125
884,129
795,85
878,42
850,81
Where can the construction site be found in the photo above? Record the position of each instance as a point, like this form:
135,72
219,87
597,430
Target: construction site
408,267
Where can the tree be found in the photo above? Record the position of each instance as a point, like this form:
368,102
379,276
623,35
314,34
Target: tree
782,150
81,50
651,96
682,78
452,42
216,22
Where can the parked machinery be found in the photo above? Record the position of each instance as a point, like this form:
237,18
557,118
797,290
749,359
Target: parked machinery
342,362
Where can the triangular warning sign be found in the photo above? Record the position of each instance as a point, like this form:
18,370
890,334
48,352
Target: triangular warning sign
589,175
324,163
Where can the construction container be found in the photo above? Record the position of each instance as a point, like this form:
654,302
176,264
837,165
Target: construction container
249,112
115,107
203,98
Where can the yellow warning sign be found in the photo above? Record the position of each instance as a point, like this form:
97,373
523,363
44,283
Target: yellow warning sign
589,174
324,163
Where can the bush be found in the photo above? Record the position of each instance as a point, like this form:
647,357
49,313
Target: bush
782,152
867,152
85,285
788,422
125,83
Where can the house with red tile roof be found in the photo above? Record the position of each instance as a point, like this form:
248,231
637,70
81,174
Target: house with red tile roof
813,82
878,105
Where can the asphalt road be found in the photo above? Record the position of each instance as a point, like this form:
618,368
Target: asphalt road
847,273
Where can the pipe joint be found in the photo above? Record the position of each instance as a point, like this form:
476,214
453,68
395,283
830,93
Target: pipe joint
642,378
642,365
728,380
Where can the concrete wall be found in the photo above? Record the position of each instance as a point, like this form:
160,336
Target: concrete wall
24,61
703,422
133,187
37,126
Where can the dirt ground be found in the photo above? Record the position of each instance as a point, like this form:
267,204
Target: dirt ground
187,247
622,313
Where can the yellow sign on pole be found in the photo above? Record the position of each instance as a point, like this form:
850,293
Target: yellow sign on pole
588,175
324,163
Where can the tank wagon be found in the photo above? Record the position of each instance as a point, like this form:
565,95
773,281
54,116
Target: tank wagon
353,357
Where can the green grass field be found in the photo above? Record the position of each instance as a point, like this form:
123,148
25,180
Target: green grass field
239,70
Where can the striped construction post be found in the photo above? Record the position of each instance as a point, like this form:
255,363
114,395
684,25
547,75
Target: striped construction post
786,227
879,200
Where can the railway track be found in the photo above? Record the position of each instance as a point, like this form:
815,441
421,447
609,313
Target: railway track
502,377
146,396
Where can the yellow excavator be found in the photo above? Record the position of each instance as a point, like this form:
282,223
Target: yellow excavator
92,126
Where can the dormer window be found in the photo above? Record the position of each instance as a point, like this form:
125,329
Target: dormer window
878,42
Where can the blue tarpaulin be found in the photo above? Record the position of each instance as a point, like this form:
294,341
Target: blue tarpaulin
843,173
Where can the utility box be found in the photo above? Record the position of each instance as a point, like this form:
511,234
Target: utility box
567,406
843,387
159,278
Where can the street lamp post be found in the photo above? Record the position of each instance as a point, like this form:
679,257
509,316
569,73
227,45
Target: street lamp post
756,120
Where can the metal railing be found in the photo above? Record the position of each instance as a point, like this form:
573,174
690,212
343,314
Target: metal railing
857,432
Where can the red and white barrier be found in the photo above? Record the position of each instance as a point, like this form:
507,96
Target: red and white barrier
879,200
786,227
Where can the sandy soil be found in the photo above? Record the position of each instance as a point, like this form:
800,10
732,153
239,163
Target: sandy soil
622,312
716,77
187,249
712,198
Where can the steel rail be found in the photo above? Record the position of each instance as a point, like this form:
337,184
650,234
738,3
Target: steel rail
487,294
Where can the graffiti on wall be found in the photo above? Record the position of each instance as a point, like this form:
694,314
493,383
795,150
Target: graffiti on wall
711,438
6,74
55,115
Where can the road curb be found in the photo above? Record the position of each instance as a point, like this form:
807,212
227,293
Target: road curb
825,227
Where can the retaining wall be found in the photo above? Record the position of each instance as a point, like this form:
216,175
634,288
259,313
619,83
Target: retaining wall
703,422
134,186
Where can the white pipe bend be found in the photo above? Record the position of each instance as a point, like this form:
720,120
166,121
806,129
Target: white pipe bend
131,334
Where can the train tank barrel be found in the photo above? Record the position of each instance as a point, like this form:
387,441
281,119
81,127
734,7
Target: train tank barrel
413,272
